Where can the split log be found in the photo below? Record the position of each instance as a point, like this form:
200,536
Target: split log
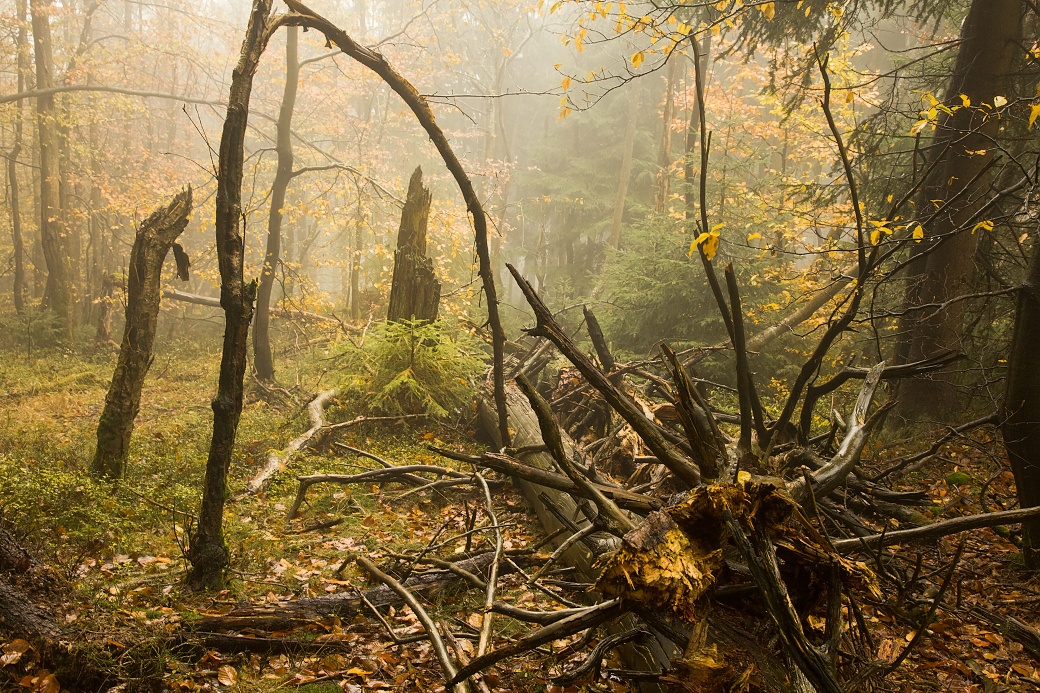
414,291
277,460
151,245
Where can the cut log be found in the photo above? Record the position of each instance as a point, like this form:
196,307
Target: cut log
414,292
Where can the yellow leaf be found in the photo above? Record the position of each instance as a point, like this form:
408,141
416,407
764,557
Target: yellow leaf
999,101
875,236
965,101
849,96
566,83
754,236
769,10
985,225
711,246
918,233
637,59
717,227
743,477
1033,113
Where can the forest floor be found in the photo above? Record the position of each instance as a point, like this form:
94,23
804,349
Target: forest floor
116,551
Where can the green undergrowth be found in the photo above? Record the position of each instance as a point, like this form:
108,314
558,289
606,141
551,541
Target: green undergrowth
118,547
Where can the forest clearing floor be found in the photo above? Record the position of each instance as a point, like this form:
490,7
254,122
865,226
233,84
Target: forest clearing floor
115,552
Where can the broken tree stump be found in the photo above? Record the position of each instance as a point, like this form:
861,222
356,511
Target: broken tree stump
415,292
151,245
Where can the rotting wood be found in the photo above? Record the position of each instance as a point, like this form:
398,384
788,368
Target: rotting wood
415,291
151,245
278,460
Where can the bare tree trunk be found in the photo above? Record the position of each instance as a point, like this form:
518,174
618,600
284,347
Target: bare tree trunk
988,46
152,244
1021,427
664,153
58,293
22,46
263,361
355,263
207,553
626,172
414,291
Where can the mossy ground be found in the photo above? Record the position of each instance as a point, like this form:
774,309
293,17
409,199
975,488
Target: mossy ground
118,548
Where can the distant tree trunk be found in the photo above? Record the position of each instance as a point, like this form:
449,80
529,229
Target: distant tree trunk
626,172
104,309
664,153
988,43
143,291
691,155
263,361
1021,427
206,553
58,293
355,264
414,292
18,243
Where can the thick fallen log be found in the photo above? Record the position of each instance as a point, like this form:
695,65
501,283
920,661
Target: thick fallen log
278,460
284,615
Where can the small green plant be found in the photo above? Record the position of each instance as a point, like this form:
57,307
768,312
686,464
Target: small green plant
412,367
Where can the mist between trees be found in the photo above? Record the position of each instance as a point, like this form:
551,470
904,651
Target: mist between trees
753,203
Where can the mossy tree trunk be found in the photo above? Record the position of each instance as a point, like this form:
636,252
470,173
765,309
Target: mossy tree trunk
206,553
415,292
152,244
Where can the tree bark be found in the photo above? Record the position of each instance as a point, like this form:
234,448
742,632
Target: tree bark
152,244
414,291
263,361
53,239
988,44
1021,428
207,553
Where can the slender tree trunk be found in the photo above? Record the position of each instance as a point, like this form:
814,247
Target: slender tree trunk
263,361
626,172
1021,427
355,263
414,290
152,244
22,47
207,553
989,42
53,239
692,153
664,153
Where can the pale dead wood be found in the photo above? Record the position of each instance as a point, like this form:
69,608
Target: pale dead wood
276,461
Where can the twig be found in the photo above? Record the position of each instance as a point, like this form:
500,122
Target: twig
594,661
561,549
489,597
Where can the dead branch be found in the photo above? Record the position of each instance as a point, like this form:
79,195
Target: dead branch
582,620
664,450
830,476
608,510
627,500
698,423
937,530
489,596
424,618
277,461
594,661
404,474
